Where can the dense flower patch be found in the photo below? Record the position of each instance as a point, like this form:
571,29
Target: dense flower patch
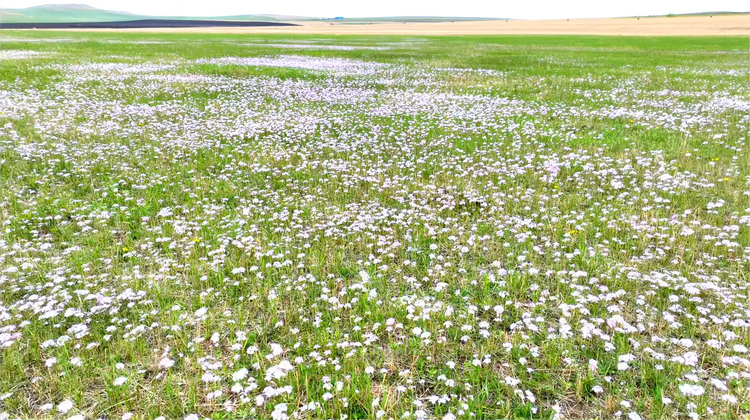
370,239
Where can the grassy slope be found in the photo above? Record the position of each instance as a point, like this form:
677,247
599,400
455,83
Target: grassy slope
63,14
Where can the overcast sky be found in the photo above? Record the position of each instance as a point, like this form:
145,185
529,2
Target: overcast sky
518,9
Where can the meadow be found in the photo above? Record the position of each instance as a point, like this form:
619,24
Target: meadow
345,227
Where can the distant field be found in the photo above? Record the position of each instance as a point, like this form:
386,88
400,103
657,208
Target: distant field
404,19
703,25
78,13
698,24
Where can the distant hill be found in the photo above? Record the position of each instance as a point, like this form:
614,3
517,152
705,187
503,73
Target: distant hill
63,13
710,13
72,13
79,13
694,14
263,18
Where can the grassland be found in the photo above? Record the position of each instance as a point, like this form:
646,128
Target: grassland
293,226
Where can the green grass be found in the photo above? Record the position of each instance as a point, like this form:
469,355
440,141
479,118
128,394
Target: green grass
445,226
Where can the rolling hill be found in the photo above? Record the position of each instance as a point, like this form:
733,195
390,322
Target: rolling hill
64,13
73,13
60,13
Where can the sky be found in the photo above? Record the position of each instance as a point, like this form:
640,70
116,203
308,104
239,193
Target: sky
515,9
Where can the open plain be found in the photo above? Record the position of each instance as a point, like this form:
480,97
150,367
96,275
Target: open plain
290,226
702,25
